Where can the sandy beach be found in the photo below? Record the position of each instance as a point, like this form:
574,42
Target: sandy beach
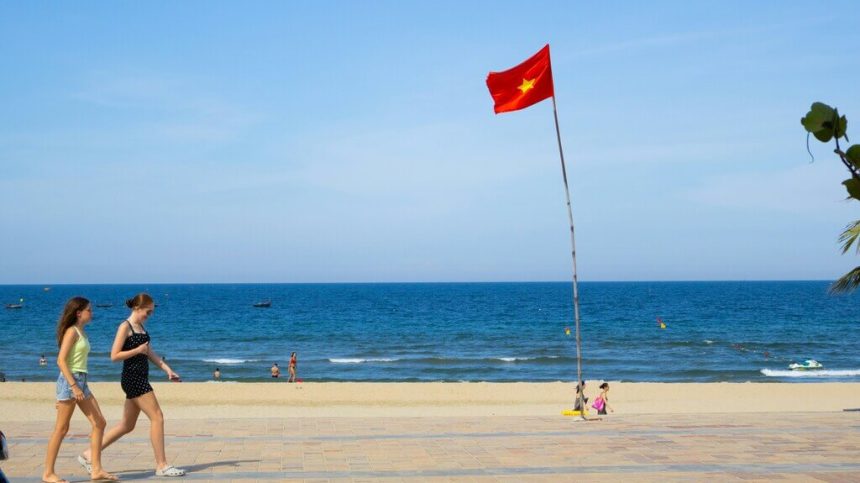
460,432
34,401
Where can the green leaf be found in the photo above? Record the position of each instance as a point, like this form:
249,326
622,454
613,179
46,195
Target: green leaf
819,113
841,126
849,236
853,187
853,155
823,135
846,283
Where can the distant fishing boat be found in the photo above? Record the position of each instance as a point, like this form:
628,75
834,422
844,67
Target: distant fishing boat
19,305
104,306
265,305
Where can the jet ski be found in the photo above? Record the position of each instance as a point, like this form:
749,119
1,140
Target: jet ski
806,365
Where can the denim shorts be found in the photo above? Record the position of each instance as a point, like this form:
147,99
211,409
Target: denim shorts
64,391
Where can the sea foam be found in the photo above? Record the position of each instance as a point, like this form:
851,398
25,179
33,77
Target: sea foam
356,360
227,361
812,373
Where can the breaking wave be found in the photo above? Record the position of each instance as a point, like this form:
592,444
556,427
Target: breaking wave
812,373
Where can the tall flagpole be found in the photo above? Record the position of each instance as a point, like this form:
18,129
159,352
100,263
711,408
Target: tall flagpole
581,394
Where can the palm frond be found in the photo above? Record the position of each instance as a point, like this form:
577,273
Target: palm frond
849,236
846,283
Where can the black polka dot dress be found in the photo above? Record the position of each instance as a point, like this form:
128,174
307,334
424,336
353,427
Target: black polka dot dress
135,370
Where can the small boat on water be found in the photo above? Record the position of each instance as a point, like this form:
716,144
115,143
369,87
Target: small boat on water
263,305
806,365
14,306
104,306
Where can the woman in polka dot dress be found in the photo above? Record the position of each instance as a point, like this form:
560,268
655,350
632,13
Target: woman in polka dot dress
132,346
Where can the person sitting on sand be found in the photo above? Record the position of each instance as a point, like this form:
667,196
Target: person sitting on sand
276,371
577,405
601,402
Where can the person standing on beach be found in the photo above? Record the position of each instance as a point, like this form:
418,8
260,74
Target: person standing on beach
601,402
131,345
292,368
72,390
276,371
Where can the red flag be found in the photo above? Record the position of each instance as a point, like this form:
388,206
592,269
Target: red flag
523,85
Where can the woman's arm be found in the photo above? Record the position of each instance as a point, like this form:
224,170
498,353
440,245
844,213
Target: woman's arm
159,361
116,352
69,339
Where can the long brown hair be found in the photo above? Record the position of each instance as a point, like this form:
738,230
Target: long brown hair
70,316
140,300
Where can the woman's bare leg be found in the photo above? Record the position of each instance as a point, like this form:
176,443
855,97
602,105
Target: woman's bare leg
65,409
149,405
90,408
130,412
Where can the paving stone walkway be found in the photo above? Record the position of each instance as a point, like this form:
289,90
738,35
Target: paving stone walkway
712,447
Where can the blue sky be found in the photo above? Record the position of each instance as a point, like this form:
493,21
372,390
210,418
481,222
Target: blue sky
356,141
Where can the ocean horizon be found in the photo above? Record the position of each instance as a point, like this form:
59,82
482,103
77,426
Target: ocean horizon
716,331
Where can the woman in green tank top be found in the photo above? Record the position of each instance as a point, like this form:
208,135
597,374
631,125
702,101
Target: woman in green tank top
72,389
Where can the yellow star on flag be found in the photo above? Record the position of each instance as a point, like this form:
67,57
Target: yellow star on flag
526,85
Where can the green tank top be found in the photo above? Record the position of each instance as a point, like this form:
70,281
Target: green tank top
77,358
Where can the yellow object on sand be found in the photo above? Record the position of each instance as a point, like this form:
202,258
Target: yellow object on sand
572,412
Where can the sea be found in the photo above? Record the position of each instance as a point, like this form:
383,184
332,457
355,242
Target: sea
714,331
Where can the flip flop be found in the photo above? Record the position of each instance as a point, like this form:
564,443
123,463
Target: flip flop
86,465
56,481
170,471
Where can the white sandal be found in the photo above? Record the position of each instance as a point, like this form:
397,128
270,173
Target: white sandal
85,464
170,471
